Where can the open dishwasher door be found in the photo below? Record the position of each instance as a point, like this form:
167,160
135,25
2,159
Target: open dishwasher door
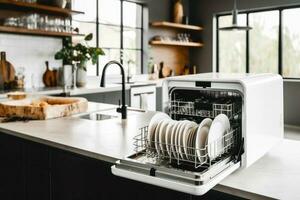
181,180
193,176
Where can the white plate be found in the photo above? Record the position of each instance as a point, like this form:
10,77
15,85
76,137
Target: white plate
152,126
180,135
189,128
173,138
190,144
162,136
156,137
176,139
193,145
168,136
201,139
219,127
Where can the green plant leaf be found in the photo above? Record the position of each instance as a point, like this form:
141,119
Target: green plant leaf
88,37
58,56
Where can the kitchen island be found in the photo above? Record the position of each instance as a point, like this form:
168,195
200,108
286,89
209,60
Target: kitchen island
70,158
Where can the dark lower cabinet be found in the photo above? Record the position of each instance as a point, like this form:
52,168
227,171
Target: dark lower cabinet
12,173
38,171
31,171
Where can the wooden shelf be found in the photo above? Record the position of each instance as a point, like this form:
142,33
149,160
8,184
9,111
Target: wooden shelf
175,25
40,7
18,30
175,43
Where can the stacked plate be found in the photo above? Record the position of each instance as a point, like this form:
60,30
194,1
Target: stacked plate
187,140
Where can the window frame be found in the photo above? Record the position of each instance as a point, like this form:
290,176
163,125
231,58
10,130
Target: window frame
122,27
247,12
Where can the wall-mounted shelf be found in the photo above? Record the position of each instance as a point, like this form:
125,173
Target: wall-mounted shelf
39,7
18,30
175,43
175,25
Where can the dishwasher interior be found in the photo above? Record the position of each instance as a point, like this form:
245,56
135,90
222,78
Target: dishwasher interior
193,104
196,105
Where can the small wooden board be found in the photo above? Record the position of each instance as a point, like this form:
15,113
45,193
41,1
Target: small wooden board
43,108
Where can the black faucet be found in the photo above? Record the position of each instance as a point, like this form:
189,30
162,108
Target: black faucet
123,108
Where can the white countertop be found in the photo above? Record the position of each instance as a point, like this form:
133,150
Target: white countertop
107,140
275,175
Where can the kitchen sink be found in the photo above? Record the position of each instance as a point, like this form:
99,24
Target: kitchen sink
97,116
108,114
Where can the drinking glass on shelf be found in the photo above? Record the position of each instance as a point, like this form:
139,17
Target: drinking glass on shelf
11,21
31,21
41,24
68,27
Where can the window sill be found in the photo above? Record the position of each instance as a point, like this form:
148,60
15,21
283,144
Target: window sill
292,80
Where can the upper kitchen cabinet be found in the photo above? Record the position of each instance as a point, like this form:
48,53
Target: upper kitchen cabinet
33,17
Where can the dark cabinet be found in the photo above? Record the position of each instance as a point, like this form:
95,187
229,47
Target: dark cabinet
31,171
12,179
38,171
75,178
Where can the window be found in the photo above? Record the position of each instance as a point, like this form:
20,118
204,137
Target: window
232,56
272,46
263,42
291,43
118,30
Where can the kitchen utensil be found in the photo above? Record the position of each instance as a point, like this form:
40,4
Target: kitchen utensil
7,70
164,71
50,77
43,108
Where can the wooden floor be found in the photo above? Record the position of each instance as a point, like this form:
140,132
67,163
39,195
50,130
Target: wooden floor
292,132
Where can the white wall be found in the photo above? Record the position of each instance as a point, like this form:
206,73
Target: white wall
31,52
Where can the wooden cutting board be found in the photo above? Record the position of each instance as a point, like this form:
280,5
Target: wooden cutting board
50,76
44,107
7,71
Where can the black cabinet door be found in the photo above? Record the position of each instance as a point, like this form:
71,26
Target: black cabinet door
12,179
38,173
75,177
79,178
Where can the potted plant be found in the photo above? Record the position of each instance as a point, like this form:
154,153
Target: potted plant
79,54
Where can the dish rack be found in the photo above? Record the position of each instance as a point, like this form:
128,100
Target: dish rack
194,160
203,110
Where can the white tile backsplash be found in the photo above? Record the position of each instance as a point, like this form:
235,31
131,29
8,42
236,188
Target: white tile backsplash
31,52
